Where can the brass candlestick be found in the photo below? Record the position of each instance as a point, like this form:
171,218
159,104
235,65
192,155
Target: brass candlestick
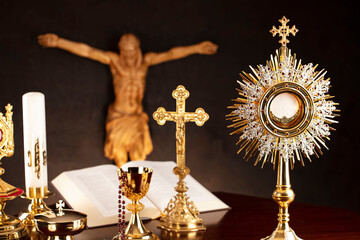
283,111
10,227
37,205
181,213
136,185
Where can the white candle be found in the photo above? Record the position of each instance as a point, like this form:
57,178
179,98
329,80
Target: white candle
35,154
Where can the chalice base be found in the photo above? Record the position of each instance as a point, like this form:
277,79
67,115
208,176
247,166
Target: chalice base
147,236
282,233
136,230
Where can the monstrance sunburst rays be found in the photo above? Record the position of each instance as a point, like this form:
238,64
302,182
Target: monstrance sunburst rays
283,137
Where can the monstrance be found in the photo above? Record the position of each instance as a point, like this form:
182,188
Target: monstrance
181,213
283,111
10,227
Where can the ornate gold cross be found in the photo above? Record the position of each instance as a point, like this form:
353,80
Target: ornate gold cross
60,207
284,31
180,117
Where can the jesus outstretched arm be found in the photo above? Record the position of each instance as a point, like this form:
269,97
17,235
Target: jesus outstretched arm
206,48
81,49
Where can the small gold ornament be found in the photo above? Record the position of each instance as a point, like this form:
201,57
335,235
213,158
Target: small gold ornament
60,207
181,213
284,112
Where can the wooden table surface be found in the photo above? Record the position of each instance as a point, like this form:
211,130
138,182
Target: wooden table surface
254,218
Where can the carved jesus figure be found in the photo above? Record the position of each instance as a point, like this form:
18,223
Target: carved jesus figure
127,130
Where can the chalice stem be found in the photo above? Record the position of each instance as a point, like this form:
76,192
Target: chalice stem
135,226
283,195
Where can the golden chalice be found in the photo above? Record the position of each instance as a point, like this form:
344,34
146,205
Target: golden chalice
135,184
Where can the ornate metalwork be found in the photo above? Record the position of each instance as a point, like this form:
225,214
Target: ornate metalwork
282,139
10,227
6,146
6,133
181,213
284,31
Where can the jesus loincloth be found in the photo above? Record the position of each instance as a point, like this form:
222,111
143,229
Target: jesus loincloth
127,135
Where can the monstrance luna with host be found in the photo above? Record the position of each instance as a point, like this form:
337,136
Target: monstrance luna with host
283,115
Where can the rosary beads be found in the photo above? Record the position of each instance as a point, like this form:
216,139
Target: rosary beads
121,216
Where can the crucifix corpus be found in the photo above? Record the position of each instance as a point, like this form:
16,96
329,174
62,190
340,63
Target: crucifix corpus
181,213
127,130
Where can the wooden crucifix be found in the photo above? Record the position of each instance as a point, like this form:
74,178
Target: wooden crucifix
127,130
180,117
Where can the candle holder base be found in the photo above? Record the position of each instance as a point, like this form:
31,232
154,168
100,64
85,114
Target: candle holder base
11,227
37,206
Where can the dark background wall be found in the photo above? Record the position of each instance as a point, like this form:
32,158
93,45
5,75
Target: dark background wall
79,90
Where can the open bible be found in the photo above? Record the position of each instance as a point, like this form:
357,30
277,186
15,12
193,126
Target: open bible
94,191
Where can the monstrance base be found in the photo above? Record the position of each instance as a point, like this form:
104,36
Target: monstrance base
282,234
